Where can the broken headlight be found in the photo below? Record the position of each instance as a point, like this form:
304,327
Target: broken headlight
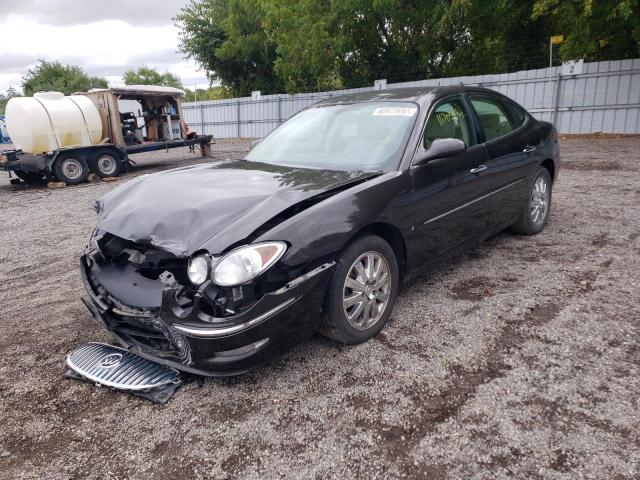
245,263
198,269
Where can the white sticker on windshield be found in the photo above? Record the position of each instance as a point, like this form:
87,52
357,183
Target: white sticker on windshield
394,111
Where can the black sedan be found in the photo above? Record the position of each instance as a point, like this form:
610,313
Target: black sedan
218,268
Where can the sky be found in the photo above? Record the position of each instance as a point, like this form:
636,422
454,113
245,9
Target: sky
104,38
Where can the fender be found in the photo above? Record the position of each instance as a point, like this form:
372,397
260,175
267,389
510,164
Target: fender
324,229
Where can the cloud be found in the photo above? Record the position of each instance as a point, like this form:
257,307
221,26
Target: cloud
9,80
107,42
106,48
77,12
13,62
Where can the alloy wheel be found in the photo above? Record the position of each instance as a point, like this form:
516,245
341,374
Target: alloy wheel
366,290
539,204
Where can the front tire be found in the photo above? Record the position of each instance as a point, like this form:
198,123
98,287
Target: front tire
362,291
71,169
536,212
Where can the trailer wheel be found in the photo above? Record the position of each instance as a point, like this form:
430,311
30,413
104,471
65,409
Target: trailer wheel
71,169
105,163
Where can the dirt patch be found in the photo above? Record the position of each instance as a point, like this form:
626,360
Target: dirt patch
430,411
560,462
585,280
474,289
592,165
600,240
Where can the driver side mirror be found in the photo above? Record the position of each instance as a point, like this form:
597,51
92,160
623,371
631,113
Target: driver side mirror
442,148
254,143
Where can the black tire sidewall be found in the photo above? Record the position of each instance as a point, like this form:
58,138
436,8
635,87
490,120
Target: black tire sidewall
335,322
537,228
525,226
57,168
93,162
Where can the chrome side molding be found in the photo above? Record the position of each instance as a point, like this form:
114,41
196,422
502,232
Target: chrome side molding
224,331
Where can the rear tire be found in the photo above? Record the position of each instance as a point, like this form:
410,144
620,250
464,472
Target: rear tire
105,163
362,291
71,169
536,212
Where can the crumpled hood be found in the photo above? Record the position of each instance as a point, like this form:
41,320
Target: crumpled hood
209,206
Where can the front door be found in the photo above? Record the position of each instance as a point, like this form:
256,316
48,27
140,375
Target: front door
447,207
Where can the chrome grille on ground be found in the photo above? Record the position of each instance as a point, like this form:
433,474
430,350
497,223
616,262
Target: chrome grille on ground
117,368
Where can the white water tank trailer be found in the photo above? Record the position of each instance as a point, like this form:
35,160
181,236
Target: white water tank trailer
49,121
65,138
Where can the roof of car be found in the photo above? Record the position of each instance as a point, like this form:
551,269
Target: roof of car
411,94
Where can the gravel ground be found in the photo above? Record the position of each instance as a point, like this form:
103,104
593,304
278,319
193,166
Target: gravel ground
520,358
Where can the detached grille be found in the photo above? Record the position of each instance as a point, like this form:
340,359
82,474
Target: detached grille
118,368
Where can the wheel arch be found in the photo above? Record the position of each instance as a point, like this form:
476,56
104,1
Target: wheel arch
549,165
392,236
80,152
110,147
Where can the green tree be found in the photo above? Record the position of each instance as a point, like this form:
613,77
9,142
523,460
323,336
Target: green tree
150,76
517,41
308,41
5,97
58,77
351,43
227,38
394,39
211,93
593,30
305,45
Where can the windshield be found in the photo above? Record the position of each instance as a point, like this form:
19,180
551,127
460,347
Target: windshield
359,136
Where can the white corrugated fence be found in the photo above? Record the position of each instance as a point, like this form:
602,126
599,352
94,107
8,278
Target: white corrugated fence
605,97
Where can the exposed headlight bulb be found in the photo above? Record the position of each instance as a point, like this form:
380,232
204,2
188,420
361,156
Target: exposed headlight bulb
198,269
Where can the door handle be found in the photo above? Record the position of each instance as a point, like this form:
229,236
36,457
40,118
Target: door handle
478,169
529,149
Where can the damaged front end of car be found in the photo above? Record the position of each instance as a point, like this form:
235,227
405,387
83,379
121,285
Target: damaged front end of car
144,296
191,269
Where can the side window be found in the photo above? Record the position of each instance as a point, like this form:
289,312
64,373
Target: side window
494,119
448,120
517,113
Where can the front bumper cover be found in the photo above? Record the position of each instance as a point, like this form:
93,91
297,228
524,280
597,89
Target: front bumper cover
198,343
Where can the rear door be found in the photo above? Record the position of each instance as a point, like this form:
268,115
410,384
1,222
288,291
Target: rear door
512,151
446,205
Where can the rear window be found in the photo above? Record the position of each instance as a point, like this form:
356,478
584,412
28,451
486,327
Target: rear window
518,113
494,118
